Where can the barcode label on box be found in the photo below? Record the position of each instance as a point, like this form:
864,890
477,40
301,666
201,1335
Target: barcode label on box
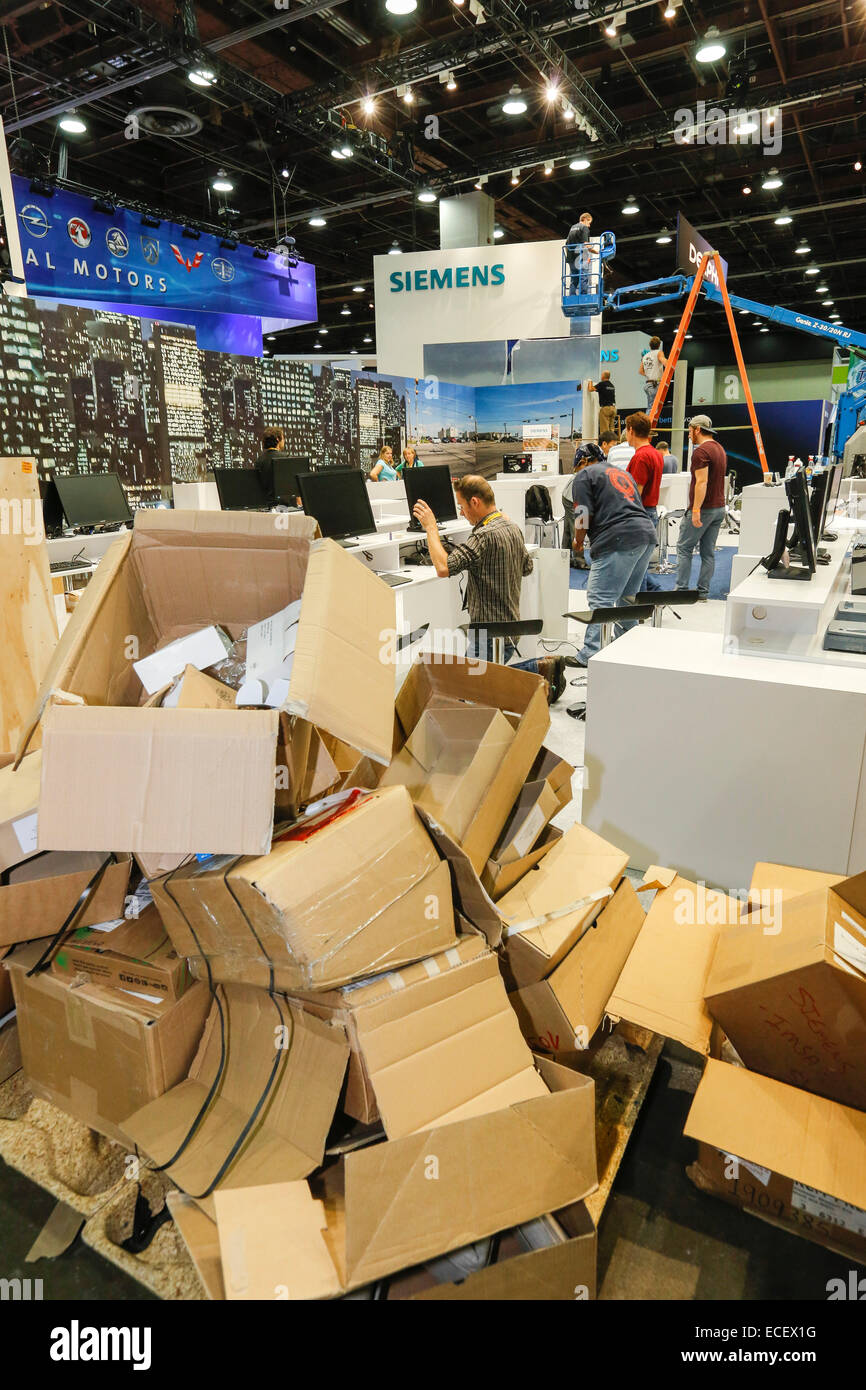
849,947
831,1209
26,832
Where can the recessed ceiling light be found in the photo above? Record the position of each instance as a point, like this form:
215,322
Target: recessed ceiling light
712,49
771,180
222,184
664,239
514,104
426,195
498,232
202,77
401,6
579,164
803,249
72,123
630,206
318,222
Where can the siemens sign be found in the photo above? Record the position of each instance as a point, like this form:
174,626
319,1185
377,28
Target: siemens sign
459,277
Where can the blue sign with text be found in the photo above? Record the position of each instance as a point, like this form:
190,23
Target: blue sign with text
72,251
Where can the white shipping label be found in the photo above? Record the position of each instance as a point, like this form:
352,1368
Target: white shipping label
26,832
529,831
831,1209
849,947
762,1174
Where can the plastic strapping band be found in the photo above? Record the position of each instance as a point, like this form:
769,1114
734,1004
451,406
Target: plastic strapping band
239,905
60,935
514,929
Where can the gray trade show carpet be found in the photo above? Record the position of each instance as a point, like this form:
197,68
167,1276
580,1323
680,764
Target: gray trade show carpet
720,583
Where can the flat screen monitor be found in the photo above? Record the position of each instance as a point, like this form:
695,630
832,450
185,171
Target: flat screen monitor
803,540
286,470
240,490
339,501
92,499
433,486
818,497
834,489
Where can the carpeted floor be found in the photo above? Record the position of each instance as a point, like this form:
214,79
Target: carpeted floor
720,583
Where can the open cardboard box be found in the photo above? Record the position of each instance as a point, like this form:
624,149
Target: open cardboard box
551,906
379,1210
133,955
433,1043
438,682
791,1158
99,1053
535,806
179,781
357,890
38,895
257,1103
19,809
498,879
556,772
561,1013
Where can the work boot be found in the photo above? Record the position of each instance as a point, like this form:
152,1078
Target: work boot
552,668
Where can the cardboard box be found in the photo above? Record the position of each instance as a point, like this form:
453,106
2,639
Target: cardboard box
435,682
449,762
433,1043
198,691
180,781
134,955
19,808
534,807
549,909
6,1001
96,1053
556,772
39,894
561,1013
498,879
364,891
273,1076
377,1211
803,1170
791,994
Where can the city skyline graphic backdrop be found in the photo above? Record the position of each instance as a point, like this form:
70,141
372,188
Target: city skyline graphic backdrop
84,389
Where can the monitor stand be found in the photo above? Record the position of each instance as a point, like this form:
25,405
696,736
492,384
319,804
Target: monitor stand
414,524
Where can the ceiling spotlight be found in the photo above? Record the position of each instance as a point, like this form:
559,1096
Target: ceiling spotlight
823,289
368,106
813,270
345,311
222,184
346,151
783,220
771,181
669,11
401,6
568,113
427,195
202,77
357,289
394,249
408,96
744,311
745,126
354,352
763,330
271,338
689,335
72,123
323,332
658,320
664,239
610,29
857,166
772,115
318,221
828,303
803,249
368,339
498,233
712,49
459,2
579,164
630,207
337,153
551,91
515,177
317,347
451,84
548,168
747,189
836,318
514,104
615,22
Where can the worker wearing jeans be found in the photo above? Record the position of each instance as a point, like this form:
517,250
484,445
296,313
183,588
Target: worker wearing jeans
622,538
706,510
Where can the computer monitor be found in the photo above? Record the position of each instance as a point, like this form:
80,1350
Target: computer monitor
286,470
834,490
802,542
339,501
818,498
433,486
92,499
240,490
52,509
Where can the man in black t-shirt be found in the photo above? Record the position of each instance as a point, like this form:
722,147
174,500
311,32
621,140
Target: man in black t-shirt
622,538
606,392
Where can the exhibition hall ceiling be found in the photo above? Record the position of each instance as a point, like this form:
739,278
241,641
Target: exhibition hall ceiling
325,119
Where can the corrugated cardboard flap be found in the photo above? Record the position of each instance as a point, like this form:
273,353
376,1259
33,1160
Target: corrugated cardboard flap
663,983
474,901
801,1136
340,680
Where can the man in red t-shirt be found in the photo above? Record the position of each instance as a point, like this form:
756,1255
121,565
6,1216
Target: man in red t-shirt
706,510
646,466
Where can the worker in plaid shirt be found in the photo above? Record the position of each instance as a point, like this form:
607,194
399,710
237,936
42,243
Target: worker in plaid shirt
495,559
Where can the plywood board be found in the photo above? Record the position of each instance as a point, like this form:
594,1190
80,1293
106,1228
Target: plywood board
28,625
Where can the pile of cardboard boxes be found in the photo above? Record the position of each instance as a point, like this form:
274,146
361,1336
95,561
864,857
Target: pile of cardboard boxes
314,949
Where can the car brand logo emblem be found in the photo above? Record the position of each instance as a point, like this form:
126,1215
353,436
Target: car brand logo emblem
185,261
34,219
78,231
222,269
117,242
150,249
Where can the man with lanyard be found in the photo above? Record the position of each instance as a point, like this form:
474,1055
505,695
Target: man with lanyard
495,559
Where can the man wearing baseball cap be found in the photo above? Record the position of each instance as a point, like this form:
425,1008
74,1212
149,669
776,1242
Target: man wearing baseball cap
706,510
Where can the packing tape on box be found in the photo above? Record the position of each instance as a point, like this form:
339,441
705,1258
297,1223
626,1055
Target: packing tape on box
515,928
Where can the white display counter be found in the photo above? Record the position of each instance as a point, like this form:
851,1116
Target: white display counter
708,761
787,618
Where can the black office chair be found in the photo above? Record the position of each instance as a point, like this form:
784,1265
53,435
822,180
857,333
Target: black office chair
500,633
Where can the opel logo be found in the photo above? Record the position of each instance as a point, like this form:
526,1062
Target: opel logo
35,219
